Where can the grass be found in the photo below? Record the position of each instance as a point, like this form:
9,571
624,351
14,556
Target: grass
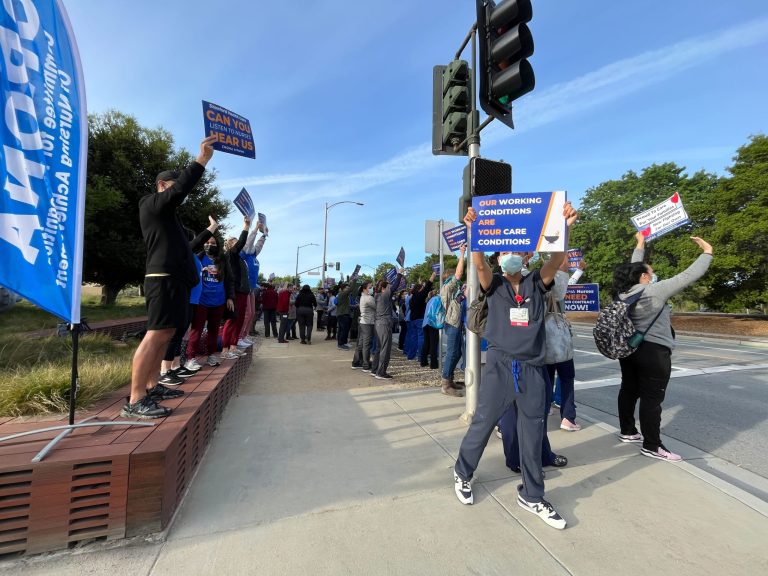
26,317
35,374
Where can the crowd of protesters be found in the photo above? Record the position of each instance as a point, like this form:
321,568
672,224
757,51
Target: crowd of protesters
202,297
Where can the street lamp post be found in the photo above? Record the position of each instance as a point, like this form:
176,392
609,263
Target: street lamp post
297,258
325,229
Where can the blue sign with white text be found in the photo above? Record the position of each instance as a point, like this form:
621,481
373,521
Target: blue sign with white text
44,136
233,132
582,298
455,237
244,203
520,223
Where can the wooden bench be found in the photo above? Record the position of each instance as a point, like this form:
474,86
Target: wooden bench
107,482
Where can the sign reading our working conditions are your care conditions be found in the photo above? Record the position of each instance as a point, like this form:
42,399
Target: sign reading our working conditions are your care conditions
233,132
520,223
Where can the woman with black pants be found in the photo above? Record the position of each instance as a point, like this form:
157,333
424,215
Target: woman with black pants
645,373
305,313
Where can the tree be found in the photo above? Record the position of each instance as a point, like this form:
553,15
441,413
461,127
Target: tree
123,160
422,272
739,275
606,235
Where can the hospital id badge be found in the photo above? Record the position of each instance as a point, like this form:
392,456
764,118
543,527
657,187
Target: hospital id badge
518,316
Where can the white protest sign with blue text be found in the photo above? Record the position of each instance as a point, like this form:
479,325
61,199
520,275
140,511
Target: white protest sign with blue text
662,218
520,223
44,138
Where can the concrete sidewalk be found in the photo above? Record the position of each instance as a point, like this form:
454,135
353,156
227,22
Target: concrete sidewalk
319,469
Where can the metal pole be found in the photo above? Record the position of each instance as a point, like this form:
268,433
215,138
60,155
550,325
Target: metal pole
325,241
296,275
472,364
75,381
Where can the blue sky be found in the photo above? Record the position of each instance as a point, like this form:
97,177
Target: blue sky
339,98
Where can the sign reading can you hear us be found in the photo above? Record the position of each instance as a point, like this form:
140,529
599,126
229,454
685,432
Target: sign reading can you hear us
520,223
233,132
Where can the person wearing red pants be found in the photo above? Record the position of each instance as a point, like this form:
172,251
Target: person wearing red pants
218,293
239,269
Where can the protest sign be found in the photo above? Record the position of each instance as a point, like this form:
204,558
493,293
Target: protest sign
662,218
402,285
391,275
44,135
233,132
575,256
455,237
436,269
582,298
401,257
262,221
271,276
356,272
520,222
245,204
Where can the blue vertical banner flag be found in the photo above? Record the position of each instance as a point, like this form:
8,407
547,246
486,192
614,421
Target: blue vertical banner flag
244,203
44,139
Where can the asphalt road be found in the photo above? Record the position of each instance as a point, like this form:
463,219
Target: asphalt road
717,399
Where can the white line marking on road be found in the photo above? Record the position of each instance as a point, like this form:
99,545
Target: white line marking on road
681,373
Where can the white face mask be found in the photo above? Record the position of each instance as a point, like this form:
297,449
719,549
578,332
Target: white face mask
654,278
511,263
370,291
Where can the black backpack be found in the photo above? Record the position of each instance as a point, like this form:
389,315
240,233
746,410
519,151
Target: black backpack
615,333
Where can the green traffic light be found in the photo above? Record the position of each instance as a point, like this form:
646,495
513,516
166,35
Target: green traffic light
504,100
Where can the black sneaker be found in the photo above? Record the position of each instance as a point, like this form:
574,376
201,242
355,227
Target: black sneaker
170,379
144,409
183,372
383,376
463,489
160,392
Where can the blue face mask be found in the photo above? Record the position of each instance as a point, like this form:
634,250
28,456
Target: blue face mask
534,258
511,263
370,291
654,278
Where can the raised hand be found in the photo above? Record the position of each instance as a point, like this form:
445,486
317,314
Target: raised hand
470,216
206,149
570,214
705,246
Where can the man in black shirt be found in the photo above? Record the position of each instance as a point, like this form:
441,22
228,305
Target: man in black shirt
170,275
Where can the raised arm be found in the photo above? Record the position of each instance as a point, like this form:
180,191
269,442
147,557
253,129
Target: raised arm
639,252
484,273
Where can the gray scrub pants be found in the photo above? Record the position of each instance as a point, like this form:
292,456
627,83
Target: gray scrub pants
383,347
496,394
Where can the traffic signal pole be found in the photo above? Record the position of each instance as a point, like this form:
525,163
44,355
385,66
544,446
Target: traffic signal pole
472,340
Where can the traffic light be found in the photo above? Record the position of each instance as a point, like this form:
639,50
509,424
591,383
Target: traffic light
482,178
338,265
451,106
505,43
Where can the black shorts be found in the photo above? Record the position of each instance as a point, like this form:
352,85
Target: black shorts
167,302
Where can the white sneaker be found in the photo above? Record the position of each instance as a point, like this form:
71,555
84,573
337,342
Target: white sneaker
237,352
463,489
193,365
543,510
662,454
213,360
229,356
243,343
249,339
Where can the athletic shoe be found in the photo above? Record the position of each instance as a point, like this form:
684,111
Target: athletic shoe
631,438
213,360
243,343
237,352
170,379
344,347
229,356
193,365
463,489
559,461
543,510
144,409
556,405
357,367
184,372
279,341
366,370
451,391
569,426
160,392
662,454
383,376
